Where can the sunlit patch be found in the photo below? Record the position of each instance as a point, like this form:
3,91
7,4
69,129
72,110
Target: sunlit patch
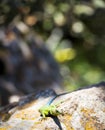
77,27
14,98
59,18
23,28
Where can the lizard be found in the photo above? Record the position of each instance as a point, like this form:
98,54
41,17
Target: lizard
51,109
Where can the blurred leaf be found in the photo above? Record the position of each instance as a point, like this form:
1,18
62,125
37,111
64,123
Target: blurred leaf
59,18
77,27
99,3
65,54
50,8
83,9
92,76
64,7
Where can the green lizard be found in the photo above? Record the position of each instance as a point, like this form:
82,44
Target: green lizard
51,109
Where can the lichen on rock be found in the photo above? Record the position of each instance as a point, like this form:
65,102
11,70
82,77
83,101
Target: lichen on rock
79,110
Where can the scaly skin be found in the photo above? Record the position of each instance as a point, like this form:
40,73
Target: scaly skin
51,109
48,110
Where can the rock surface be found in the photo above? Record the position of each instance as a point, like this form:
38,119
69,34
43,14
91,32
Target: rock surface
80,110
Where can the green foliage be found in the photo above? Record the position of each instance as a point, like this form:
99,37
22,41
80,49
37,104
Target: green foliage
73,30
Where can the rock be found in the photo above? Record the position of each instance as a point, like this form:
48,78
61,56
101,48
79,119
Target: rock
83,109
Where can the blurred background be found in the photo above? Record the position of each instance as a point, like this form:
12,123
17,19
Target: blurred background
50,43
